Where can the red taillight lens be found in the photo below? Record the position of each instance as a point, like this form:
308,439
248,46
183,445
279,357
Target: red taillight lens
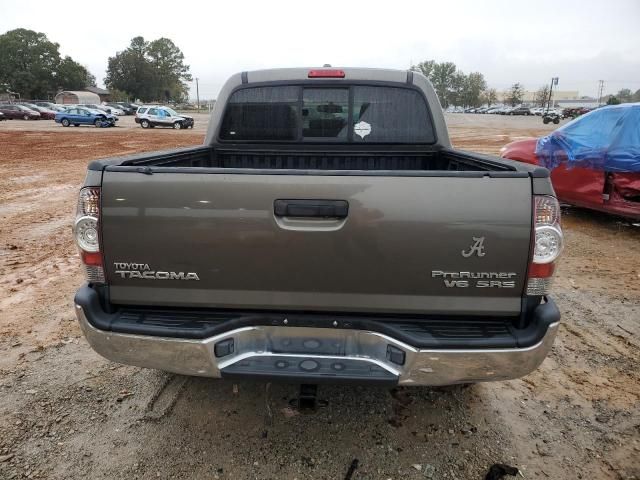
324,73
86,232
547,244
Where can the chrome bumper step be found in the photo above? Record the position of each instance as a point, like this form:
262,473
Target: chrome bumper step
364,355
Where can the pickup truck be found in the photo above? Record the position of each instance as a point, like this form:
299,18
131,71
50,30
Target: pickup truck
326,231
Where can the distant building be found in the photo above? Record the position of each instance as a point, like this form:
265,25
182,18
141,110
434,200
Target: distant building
71,97
530,96
585,102
9,96
101,92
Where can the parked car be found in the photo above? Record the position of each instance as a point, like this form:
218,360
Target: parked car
2,117
575,112
14,111
594,159
77,116
45,113
521,110
125,110
493,110
113,109
149,116
104,108
51,106
40,103
133,107
250,257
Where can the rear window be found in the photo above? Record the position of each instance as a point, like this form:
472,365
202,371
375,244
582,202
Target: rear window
262,113
142,109
349,114
325,113
383,114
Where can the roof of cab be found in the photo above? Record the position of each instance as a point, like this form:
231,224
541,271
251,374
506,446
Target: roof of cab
302,73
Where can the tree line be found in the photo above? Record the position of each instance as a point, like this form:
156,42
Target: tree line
31,65
458,89
624,95
152,70
455,88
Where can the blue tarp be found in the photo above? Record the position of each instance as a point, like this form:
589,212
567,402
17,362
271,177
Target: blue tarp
605,139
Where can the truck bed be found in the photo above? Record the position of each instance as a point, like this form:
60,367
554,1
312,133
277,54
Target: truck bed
320,158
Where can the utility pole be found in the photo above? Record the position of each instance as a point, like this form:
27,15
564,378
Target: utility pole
600,91
197,93
554,81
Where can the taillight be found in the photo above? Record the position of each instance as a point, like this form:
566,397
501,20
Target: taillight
87,233
547,244
324,73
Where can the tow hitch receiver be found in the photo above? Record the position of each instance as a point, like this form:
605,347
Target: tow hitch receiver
307,399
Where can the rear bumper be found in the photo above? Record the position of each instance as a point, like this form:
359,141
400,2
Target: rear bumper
312,355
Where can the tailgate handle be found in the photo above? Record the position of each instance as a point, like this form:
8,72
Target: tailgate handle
311,208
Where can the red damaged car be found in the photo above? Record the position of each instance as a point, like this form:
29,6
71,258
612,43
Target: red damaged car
594,160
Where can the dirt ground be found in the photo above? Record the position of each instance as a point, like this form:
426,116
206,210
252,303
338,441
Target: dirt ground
66,413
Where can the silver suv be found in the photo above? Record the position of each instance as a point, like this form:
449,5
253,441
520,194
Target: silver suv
149,116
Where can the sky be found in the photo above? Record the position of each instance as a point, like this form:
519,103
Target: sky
527,41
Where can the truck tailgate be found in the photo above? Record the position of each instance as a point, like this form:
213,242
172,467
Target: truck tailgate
425,244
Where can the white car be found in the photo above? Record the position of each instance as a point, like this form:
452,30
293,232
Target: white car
114,110
104,108
149,116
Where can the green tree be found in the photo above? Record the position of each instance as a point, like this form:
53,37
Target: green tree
442,78
149,71
118,95
541,97
70,75
425,68
515,94
28,61
474,85
625,95
169,69
613,100
636,96
30,64
130,71
490,96
456,93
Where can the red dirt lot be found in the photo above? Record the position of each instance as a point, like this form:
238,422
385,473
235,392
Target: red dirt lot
68,413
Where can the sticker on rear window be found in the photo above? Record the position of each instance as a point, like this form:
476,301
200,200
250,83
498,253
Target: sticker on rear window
362,129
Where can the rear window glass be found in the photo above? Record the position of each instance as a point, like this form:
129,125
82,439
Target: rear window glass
142,110
383,114
153,111
263,113
357,113
325,113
